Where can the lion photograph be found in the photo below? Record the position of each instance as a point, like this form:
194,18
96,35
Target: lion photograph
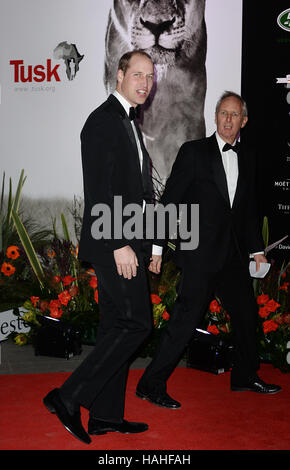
173,33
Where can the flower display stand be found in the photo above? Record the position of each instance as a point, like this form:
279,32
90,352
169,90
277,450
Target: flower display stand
210,353
56,339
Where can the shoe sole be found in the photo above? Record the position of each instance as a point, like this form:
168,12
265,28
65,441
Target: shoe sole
97,433
239,389
145,397
115,430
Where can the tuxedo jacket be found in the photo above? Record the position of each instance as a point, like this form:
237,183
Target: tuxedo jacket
198,177
111,167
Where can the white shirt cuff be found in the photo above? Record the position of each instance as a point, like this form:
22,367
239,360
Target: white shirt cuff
157,250
258,253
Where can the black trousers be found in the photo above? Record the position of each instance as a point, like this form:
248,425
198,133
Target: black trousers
99,383
233,286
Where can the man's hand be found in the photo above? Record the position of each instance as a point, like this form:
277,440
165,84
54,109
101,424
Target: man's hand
259,259
155,264
126,262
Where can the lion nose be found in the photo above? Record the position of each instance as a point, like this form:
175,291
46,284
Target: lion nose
157,28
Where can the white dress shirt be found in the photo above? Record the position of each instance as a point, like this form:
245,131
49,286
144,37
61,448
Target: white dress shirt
230,163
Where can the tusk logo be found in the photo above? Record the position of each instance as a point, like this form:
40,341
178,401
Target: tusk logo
71,57
49,72
283,20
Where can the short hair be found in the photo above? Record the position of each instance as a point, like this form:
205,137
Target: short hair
125,59
229,94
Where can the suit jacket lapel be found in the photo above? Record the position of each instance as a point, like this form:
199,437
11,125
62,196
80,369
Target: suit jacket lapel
241,178
218,169
125,121
146,168
118,108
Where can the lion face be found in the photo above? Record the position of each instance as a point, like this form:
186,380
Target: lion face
165,29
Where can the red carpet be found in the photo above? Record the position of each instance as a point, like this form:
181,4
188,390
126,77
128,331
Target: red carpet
211,418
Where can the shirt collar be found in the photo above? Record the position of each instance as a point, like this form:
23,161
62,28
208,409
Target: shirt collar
221,142
123,101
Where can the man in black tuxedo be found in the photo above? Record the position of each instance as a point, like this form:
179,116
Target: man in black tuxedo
115,164
221,180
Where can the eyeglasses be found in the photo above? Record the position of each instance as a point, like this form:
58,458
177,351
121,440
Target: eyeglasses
233,115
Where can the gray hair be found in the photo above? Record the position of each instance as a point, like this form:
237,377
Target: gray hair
229,94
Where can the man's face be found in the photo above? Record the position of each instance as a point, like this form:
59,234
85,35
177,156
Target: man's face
135,85
229,119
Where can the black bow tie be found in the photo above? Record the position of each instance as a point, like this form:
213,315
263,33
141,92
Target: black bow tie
235,147
134,113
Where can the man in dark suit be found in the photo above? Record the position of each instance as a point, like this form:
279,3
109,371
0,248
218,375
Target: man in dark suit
115,164
221,180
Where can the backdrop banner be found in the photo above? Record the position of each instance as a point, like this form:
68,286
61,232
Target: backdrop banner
51,82
266,88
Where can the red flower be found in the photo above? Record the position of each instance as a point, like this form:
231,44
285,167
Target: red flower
155,299
286,318
285,286
67,280
283,319
73,291
264,311
56,312
64,297
94,282
12,252
214,306
262,299
56,279
224,328
54,303
269,325
34,300
213,329
165,315
7,269
96,296
272,305
43,305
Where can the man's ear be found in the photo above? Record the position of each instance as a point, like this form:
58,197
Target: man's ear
120,76
244,122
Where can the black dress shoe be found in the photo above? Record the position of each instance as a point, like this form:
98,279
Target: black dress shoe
71,421
159,399
97,426
256,385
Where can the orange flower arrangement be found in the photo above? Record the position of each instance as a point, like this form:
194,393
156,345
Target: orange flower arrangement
269,325
155,299
7,269
67,280
12,252
165,315
64,297
214,306
213,329
262,299
94,282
